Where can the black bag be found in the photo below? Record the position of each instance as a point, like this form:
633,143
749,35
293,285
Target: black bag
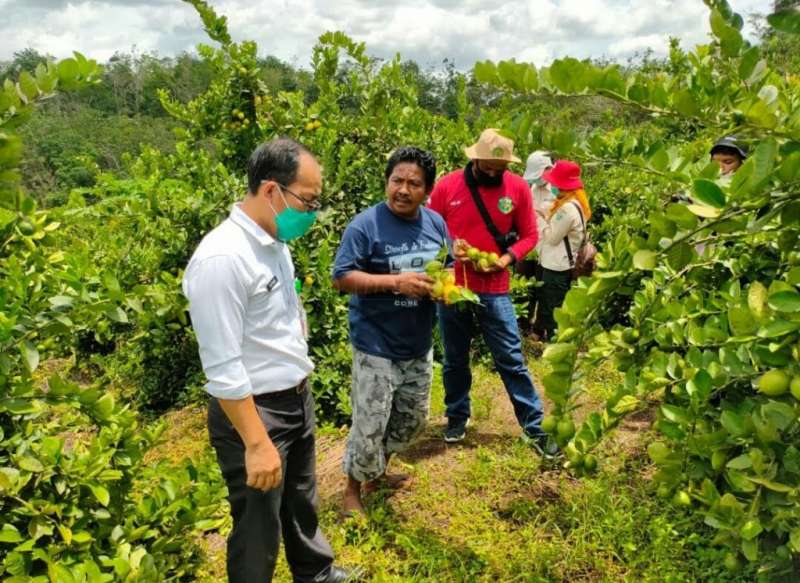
584,263
503,241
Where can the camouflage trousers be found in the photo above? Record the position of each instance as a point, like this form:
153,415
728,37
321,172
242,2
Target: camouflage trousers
390,401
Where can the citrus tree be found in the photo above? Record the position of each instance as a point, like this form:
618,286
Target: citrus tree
712,341
78,502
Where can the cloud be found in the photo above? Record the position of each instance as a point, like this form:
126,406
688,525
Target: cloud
426,31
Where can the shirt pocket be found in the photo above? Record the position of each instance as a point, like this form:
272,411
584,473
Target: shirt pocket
267,299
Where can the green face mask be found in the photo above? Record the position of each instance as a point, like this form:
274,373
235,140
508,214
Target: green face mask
292,223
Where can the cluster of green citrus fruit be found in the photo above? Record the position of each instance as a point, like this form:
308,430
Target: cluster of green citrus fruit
444,285
777,382
482,260
563,430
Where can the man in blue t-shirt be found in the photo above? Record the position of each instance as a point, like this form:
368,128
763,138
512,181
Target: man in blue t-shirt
381,263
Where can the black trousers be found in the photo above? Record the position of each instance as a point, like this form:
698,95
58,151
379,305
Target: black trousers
555,285
260,518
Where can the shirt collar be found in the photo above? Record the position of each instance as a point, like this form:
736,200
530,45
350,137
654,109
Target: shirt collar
249,226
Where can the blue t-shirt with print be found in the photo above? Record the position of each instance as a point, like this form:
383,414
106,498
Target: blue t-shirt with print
378,241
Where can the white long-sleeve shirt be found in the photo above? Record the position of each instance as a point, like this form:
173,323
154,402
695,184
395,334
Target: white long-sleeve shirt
245,311
566,222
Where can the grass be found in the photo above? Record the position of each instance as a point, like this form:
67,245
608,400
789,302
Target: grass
488,510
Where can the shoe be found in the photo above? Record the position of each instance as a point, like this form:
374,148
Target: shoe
341,575
456,429
544,445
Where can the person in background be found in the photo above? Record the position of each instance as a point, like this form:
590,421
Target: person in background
729,154
381,264
506,199
247,318
538,162
562,230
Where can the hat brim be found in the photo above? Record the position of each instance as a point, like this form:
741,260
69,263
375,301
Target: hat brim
562,184
472,154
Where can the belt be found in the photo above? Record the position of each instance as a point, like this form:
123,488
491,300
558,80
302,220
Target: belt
298,389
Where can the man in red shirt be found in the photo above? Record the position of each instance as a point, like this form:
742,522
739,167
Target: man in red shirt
507,203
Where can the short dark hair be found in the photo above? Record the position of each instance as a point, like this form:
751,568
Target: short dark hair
728,151
422,158
276,160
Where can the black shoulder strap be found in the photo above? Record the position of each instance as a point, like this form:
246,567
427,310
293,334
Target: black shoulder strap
472,184
566,237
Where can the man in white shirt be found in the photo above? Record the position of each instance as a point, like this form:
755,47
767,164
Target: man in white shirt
247,318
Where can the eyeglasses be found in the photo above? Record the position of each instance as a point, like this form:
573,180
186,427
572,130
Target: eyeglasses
312,205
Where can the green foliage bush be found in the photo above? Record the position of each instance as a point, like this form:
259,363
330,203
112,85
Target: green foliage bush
713,288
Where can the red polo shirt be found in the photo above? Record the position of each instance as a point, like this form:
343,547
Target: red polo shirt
508,204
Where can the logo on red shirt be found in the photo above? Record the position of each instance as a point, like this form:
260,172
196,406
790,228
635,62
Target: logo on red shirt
505,205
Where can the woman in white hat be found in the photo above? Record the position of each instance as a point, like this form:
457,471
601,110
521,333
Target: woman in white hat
538,163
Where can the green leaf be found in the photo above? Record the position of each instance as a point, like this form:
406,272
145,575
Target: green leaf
778,328
742,462
751,529
645,260
794,539
27,85
30,464
733,423
684,104
10,534
560,352
704,211
787,20
785,301
675,414
101,493
741,321
779,415
680,256
30,355
682,216
774,486
68,70
708,193
763,162
485,72
104,406
790,167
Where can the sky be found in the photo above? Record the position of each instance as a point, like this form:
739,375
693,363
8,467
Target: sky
427,31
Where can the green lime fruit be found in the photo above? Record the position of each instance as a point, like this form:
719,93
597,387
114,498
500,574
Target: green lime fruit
732,562
589,462
663,491
630,335
682,498
794,387
483,263
433,267
26,227
549,424
493,258
565,429
437,289
473,254
572,454
773,383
